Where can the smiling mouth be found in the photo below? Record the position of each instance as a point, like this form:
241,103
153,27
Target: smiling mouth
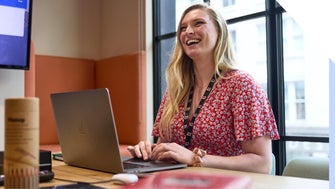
192,42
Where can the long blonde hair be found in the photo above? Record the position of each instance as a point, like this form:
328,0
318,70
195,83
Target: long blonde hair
180,75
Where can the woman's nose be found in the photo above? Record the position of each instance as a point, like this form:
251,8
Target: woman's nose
189,30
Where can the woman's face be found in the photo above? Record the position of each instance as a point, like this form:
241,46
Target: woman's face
198,34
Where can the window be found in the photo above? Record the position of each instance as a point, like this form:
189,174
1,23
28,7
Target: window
227,3
272,47
300,100
295,101
233,38
261,31
251,56
293,38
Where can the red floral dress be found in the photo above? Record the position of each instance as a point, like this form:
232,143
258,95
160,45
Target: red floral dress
236,110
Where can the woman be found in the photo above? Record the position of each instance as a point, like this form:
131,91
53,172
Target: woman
212,114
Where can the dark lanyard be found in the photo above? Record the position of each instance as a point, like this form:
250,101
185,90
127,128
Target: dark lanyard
188,125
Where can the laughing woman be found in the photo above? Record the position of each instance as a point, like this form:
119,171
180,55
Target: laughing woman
212,114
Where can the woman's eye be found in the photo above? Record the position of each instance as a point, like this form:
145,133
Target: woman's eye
182,28
198,23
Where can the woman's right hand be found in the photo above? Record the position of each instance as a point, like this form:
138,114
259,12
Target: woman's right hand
142,150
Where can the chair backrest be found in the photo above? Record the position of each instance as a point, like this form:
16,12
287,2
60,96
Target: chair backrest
309,167
273,168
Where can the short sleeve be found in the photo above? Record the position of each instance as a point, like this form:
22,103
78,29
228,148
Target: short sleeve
253,115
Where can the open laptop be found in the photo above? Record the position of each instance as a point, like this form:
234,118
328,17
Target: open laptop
88,136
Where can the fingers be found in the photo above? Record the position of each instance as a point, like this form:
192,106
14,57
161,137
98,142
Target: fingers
138,151
172,151
148,150
163,151
141,150
131,149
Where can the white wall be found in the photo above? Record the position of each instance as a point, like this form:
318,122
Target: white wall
122,31
149,53
11,86
88,29
68,28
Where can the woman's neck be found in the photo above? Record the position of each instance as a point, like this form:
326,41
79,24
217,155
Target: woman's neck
203,75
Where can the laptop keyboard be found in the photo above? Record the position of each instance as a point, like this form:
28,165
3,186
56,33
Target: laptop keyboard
132,165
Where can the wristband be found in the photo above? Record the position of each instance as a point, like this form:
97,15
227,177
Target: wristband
197,158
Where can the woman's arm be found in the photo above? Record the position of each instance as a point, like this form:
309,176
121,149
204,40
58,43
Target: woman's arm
257,156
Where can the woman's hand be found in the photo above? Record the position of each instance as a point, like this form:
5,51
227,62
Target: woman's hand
142,150
168,151
162,151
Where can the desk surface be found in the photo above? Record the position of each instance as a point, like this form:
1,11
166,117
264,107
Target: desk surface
258,181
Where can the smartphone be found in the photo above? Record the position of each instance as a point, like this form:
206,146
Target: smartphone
58,156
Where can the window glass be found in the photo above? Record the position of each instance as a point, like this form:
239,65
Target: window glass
306,83
181,5
167,47
237,8
227,3
303,149
249,40
167,10
228,8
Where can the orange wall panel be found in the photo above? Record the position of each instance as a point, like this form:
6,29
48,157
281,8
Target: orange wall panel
124,76
29,75
58,74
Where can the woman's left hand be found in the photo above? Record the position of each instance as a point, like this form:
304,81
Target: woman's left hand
165,151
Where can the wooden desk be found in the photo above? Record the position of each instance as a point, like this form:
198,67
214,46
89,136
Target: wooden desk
259,181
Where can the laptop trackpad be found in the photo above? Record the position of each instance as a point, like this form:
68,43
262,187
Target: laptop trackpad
138,165
139,161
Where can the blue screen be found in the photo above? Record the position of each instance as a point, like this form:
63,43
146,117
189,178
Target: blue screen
15,27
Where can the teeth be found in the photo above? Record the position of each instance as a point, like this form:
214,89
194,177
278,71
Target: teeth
192,41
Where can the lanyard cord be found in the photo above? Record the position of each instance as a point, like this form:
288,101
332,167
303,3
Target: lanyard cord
188,125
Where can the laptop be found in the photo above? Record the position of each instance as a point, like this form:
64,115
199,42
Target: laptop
88,136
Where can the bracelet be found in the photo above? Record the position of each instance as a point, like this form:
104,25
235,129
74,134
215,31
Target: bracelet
197,158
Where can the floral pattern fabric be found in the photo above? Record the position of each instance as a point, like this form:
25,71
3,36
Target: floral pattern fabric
236,110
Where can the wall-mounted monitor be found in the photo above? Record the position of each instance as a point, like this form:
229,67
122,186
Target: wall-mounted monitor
15,31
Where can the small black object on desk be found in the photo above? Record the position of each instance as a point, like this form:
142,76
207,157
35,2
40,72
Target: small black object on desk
45,173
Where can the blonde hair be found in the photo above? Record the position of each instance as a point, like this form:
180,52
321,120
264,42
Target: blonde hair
180,75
